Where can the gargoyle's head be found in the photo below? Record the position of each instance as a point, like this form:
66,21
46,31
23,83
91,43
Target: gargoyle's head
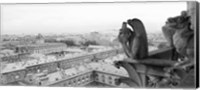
137,26
133,21
179,22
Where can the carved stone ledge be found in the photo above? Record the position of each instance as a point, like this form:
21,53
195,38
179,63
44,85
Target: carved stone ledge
152,69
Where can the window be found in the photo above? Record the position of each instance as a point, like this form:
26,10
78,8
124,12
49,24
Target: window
40,83
87,76
69,83
79,79
110,78
57,79
64,84
103,76
97,79
110,82
103,80
83,79
96,75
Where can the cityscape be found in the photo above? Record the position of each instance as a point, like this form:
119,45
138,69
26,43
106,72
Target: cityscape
58,45
64,60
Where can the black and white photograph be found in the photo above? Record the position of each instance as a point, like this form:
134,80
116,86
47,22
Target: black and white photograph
99,44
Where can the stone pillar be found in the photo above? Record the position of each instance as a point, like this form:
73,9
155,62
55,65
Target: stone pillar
1,76
0,26
193,11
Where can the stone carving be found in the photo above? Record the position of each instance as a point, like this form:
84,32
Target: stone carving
126,37
165,72
134,42
182,38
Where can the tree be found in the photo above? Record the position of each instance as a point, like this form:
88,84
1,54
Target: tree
69,42
87,43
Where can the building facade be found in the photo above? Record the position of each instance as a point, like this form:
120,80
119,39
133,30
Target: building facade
50,67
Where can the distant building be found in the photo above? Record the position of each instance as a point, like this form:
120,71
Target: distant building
100,75
39,39
14,51
39,46
8,55
45,48
56,69
96,47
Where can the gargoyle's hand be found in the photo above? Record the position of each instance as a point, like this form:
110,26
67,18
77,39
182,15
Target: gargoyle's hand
123,38
124,33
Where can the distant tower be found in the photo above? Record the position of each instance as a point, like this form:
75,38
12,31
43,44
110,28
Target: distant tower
39,38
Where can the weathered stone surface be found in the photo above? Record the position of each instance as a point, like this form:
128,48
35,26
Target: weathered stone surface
188,81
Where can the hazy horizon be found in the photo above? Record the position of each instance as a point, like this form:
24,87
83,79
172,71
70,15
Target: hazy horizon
84,18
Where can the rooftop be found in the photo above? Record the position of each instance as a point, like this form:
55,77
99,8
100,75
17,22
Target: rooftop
7,52
41,44
84,68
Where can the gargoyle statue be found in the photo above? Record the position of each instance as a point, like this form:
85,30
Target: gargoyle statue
134,42
135,45
181,37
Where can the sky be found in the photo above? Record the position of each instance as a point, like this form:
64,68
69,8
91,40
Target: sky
84,18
